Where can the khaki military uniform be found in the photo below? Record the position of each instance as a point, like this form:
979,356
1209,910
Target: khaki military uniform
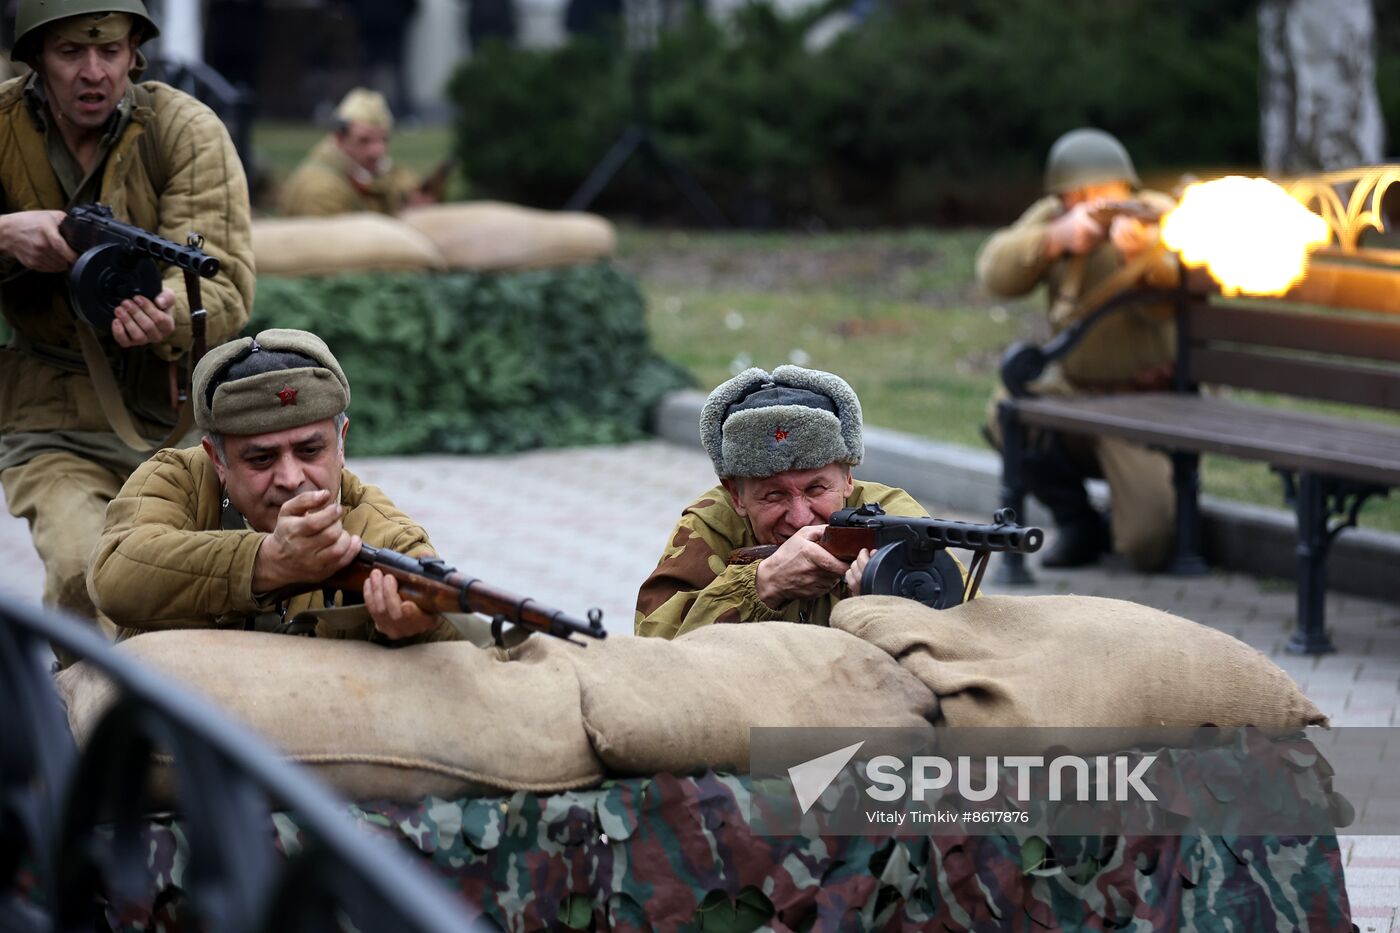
1130,350
692,585
173,555
166,165
329,182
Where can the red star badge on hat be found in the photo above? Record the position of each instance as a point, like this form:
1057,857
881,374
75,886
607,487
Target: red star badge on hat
288,395
780,434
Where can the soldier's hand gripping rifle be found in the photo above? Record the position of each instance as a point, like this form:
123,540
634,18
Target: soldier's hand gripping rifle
1104,212
433,586
909,556
117,261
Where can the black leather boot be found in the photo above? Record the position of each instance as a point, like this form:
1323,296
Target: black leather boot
1053,477
1078,543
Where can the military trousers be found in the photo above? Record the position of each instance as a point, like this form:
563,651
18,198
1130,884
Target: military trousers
1142,499
64,499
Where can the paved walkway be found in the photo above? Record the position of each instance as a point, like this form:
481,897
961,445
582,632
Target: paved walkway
583,527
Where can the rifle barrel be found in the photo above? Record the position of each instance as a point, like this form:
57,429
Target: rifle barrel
472,595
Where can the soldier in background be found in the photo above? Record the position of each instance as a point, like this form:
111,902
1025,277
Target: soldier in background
216,537
1063,241
350,170
80,129
782,446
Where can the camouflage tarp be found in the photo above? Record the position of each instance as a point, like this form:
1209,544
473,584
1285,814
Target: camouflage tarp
670,853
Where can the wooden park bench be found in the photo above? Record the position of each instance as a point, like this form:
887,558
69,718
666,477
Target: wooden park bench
1333,337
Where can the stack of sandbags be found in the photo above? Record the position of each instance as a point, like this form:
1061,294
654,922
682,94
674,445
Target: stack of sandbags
1078,661
489,235
652,705
366,242
448,718
452,719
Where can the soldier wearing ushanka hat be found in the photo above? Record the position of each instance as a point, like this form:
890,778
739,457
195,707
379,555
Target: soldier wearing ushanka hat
782,444
211,536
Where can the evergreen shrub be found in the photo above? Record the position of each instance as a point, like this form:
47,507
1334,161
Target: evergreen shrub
928,111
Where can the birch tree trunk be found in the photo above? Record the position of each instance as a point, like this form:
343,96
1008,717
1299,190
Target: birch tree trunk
1319,109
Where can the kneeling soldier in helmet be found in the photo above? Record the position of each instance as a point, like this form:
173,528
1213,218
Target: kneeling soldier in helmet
782,445
1084,259
211,537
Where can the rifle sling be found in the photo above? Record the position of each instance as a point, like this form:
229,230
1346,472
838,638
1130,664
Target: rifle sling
109,396
1115,283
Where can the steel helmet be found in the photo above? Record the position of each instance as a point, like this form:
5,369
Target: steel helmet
33,15
1087,157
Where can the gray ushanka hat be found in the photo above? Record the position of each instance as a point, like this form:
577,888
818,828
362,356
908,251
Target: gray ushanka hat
761,424
286,397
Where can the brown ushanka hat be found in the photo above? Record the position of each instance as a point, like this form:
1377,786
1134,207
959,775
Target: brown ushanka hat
302,384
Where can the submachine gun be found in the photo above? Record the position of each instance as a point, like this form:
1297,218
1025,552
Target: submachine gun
433,586
909,556
117,261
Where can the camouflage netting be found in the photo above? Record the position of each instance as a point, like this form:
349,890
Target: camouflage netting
478,362
672,853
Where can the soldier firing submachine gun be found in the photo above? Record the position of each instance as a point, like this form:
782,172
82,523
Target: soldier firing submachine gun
117,261
909,556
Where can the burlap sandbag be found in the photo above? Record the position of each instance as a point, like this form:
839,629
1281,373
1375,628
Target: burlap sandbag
447,718
364,242
1078,661
652,705
489,235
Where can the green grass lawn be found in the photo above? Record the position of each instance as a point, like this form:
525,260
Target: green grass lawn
896,314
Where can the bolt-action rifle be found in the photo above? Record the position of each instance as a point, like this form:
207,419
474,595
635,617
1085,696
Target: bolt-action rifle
909,556
433,586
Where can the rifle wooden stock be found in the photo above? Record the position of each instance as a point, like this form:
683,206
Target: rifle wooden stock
841,542
1104,213
434,187
433,586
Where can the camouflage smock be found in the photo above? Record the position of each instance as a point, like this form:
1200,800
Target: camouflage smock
692,586
167,558
323,186
1118,349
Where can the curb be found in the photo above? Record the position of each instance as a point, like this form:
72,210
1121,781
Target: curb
1251,539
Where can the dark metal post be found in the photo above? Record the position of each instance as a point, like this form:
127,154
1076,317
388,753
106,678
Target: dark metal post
1314,539
1011,569
1186,480
70,874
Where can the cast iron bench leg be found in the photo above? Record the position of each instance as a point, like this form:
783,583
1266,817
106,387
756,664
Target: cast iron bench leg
1186,478
1011,569
1314,539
